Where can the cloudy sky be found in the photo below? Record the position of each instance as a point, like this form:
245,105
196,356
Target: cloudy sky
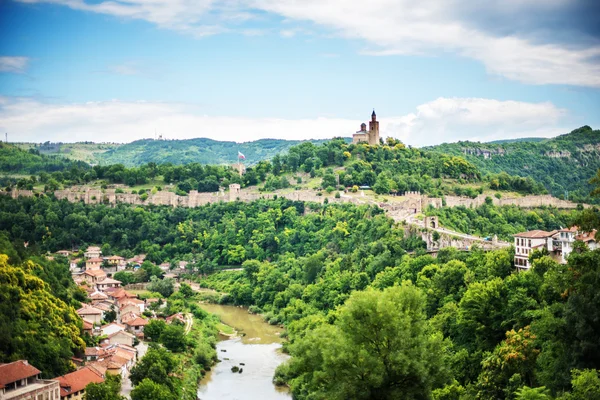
434,70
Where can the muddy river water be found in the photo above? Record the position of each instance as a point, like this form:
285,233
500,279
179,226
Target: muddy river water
258,349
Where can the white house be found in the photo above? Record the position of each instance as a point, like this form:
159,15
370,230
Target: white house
526,242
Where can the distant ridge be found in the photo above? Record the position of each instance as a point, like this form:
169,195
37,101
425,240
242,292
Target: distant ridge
530,139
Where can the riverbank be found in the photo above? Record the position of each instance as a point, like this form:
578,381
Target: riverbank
255,351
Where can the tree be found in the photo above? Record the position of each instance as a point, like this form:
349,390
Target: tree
173,337
107,390
111,315
383,185
156,365
380,347
186,290
165,287
154,329
150,390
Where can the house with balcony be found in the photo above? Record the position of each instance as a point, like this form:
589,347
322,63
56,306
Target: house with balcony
20,380
527,242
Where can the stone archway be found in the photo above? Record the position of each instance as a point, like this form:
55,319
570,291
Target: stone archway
432,222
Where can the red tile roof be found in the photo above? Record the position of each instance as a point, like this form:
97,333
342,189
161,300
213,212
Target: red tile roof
15,371
536,234
78,380
88,310
587,236
95,260
95,272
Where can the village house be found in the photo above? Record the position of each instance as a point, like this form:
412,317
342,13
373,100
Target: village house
116,334
126,303
88,327
105,306
20,380
118,293
91,313
93,252
93,276
72,386
108,283
98,296
134,323
114,260
64,253
73,264
559,244
589,238
93,263
527,242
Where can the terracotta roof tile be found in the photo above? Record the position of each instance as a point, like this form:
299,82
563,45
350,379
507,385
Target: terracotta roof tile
536,234
15,371
78,380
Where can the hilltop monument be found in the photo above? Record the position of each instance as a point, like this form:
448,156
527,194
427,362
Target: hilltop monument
371,136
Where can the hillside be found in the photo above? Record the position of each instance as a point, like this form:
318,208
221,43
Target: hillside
16,161
562,164
139,152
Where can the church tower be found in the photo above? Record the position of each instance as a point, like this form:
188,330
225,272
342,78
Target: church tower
373,130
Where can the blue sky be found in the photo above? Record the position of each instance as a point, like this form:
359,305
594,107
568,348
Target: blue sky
241,70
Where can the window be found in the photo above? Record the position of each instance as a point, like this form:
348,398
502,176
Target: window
529,242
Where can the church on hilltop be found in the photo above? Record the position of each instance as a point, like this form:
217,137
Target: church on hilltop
371,136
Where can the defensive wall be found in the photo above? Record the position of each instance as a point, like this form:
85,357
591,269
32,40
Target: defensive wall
402,207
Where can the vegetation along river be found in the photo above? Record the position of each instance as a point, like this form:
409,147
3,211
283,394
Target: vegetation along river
258,349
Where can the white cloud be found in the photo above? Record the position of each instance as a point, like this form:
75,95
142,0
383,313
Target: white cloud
453,119
391,27
16,65
441,120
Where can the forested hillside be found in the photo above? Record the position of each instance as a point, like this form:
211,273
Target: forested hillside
14,160
562,164
199,150
368,313
38,300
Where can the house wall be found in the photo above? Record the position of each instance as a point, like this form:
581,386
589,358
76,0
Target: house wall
121,339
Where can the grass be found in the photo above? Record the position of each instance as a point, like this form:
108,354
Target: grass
145,294
226,329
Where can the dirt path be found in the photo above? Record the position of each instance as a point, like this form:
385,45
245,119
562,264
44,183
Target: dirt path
188,323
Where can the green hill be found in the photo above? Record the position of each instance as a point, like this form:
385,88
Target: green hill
16,161
563,164
201,150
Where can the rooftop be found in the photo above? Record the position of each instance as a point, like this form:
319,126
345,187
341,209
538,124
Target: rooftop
15,371
78,380
88,310
535,234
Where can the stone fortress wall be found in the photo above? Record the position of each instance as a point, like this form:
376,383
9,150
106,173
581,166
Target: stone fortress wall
410,203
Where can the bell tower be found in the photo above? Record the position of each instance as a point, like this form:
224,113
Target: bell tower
373,130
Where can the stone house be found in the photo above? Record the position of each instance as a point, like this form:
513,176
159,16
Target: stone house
93,252
91,313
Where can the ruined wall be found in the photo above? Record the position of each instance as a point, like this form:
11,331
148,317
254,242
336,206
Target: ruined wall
411,203
525,201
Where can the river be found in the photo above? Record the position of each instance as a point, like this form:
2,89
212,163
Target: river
258,349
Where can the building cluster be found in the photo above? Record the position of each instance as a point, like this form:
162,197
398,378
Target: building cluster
558,244
115,352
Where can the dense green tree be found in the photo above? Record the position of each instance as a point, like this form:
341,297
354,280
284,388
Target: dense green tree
379,347
157,366
173,337
154,329
108,390
147,389
165,287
